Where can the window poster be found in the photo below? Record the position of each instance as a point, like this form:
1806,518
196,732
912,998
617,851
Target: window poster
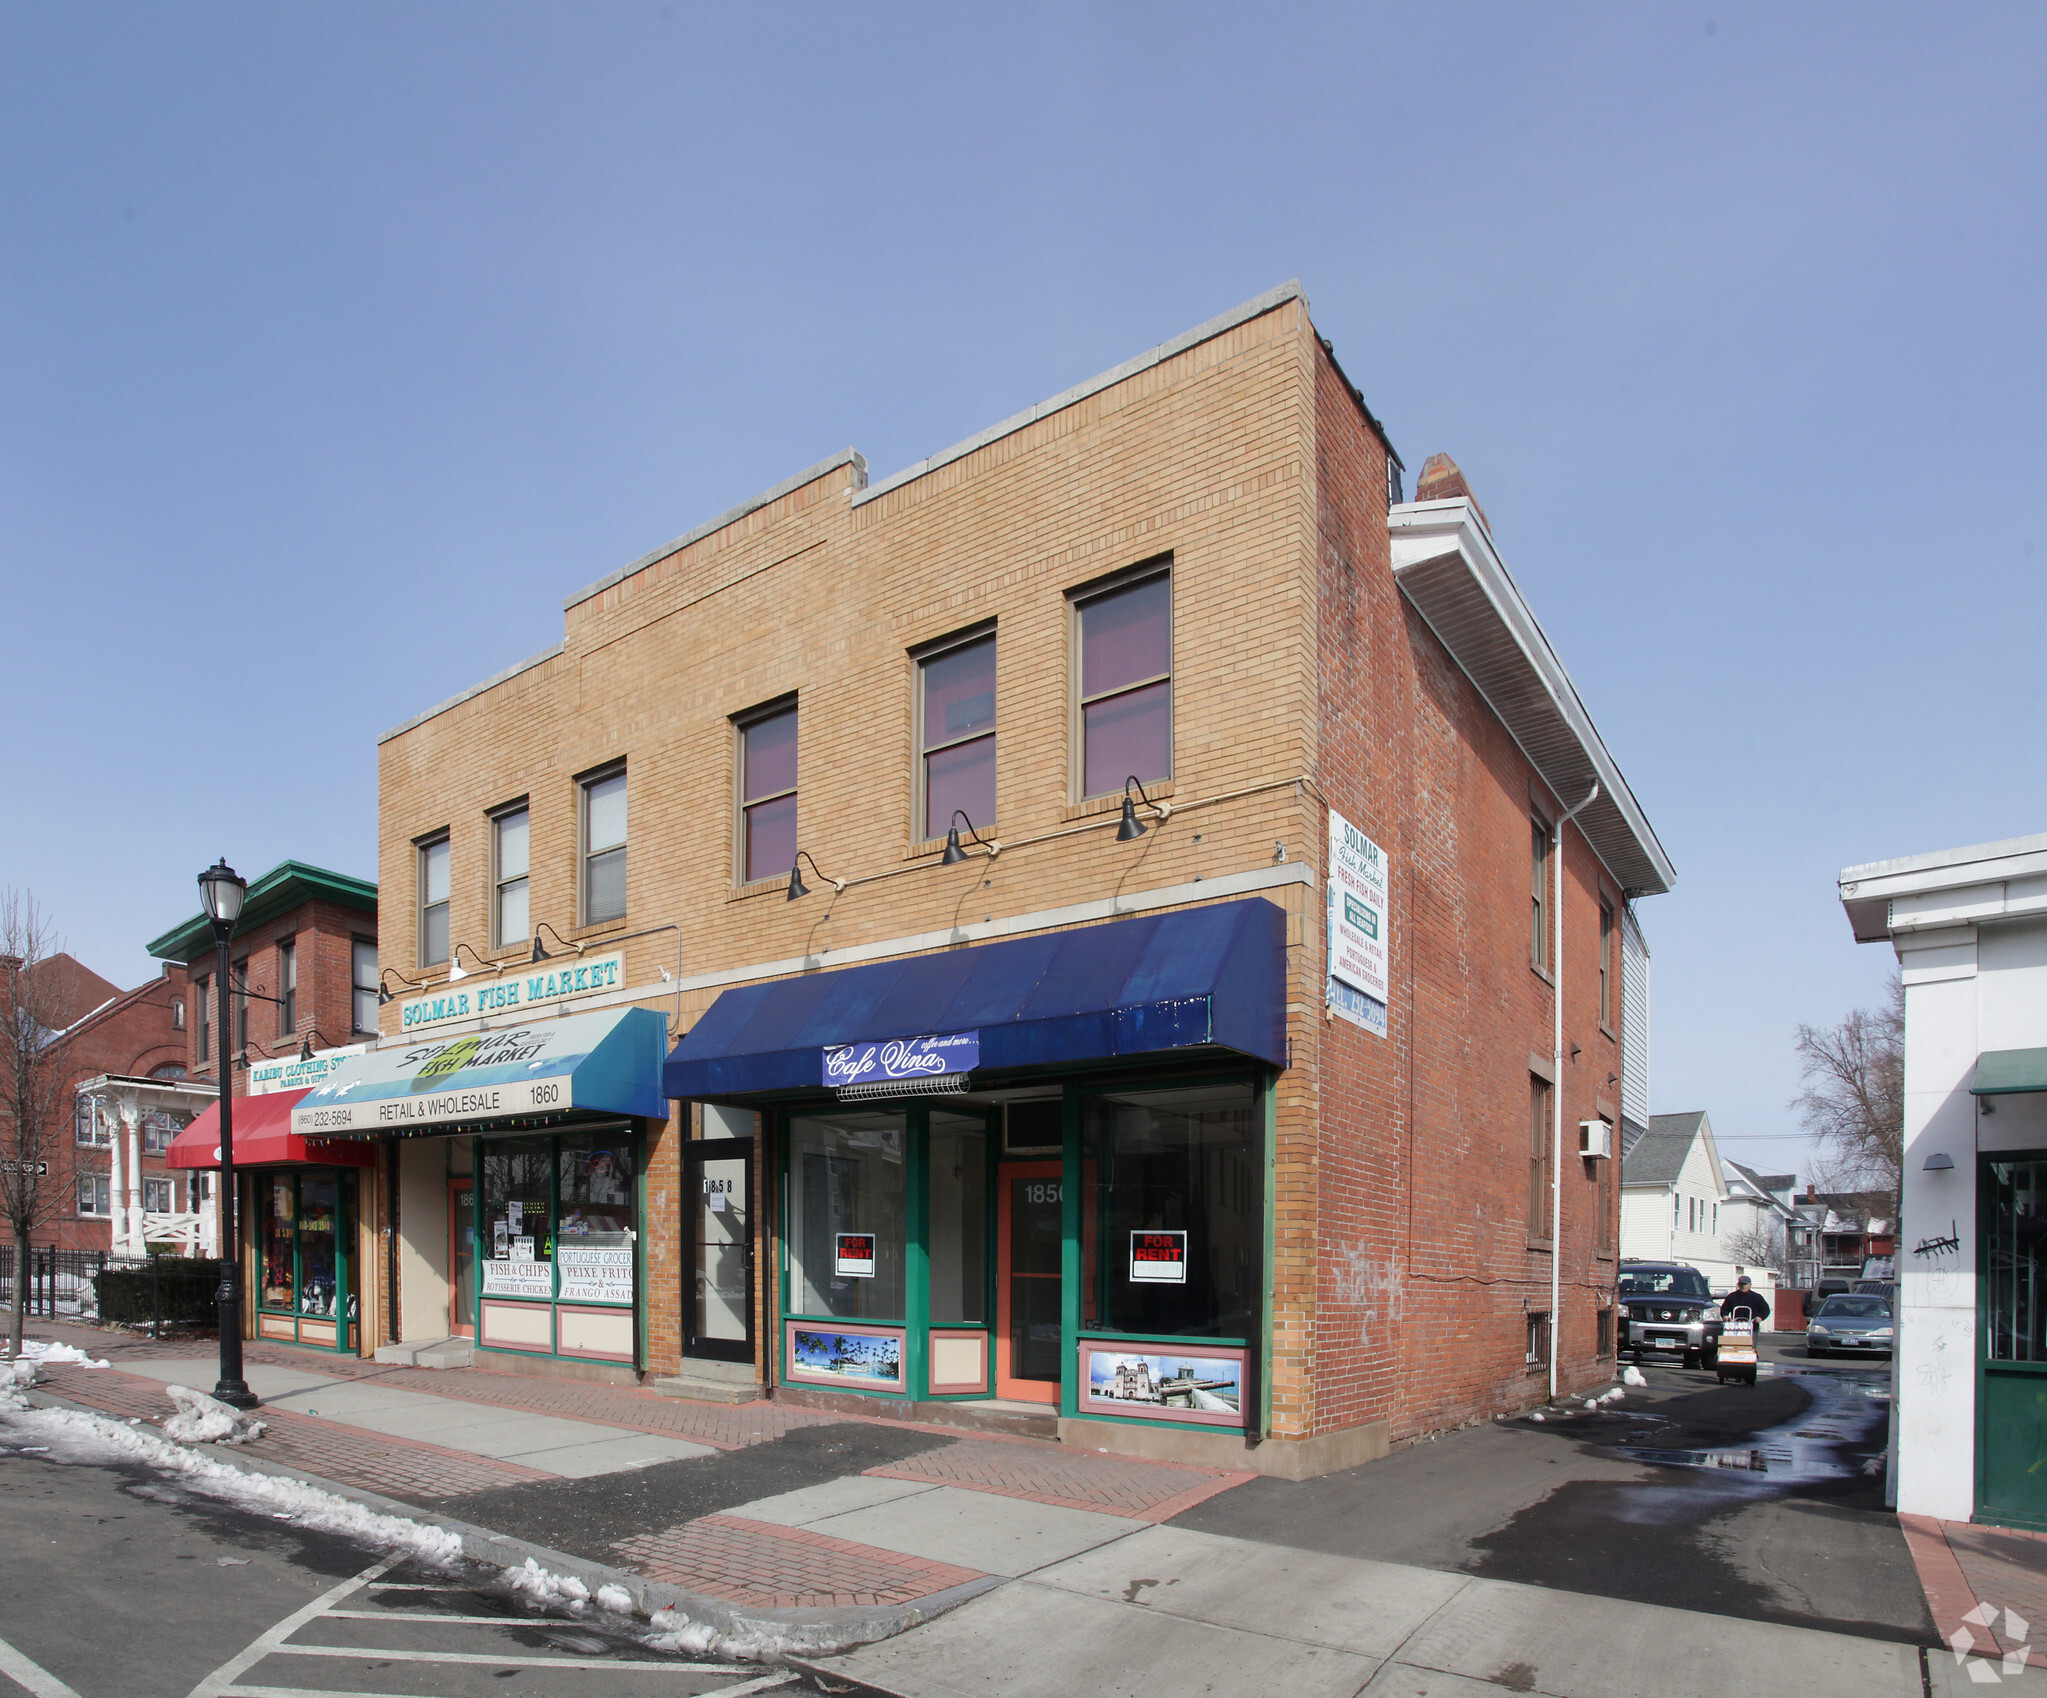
855,1256
593,1275
1204,1386
518,1279
1359,962
1158,1258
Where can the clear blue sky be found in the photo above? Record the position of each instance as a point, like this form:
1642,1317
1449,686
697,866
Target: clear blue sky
339,342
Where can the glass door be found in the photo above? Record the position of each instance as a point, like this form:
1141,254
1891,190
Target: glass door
462,1258
719,1310
1030,1232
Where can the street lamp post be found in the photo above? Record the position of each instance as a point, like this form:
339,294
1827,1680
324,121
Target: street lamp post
222,891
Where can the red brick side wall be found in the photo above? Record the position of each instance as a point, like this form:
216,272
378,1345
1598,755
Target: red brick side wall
1423,1274
324,933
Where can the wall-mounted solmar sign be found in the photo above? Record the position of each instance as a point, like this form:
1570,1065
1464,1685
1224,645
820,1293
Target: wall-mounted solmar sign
476,998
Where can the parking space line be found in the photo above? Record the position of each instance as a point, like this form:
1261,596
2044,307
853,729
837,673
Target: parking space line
30,1676
215,1684
363,1653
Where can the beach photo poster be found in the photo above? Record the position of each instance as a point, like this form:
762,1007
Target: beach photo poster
855,1358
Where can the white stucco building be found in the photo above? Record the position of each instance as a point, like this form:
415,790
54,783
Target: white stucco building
1970,930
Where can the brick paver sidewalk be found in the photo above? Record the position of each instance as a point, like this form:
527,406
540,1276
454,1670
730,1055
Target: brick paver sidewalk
1055,1474
1965,1568
765,1566
744,1562
408,1469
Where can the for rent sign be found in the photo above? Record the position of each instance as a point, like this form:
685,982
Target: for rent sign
1358,906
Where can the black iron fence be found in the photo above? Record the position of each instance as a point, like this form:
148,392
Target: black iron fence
155,1291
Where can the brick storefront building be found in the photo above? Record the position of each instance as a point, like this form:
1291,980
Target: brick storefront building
1081,1119
303,984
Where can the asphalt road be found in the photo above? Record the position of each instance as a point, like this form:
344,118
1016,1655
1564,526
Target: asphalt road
120,1586
1764,1502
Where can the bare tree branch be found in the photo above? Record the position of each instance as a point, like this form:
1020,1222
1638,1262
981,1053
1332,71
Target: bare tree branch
1853,1103
34,1090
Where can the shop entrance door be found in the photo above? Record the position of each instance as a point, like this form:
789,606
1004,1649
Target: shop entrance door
718,1309
2011,1463
462,1258
1030,1230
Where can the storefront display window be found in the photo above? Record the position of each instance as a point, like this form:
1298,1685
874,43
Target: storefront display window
317,1225
1173,1180
306,1291
958,1239
518,1217
556,1218
846,1215
280,1250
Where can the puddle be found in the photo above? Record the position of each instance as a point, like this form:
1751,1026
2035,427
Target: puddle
1798,1452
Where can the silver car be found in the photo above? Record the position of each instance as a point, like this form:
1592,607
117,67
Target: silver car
1850,1322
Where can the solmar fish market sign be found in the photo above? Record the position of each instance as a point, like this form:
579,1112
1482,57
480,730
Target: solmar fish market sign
510,993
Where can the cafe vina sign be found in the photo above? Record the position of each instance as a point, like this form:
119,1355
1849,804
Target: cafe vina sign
512,993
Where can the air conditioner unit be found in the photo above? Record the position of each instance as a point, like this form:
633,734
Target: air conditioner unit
1595,1138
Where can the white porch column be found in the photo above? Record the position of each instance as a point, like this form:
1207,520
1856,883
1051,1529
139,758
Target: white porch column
128,1206
102,1115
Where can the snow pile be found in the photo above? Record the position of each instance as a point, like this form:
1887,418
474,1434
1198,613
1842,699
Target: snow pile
206,1420
615,1599
22,1371
75,1436
52,1354
548,1590
1632,1376
759,1641
1537,1416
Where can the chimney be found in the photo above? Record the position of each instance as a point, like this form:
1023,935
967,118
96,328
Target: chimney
1442,480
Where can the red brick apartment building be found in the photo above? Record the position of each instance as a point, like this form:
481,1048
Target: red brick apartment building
104,1037
1132,907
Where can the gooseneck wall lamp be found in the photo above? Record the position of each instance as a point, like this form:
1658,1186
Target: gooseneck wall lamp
954,854
796,885
457,971
560,942
384,991
221,892
1132,827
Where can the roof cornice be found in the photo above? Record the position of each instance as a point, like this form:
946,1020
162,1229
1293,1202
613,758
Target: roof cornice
288,885
1446,565
1978,885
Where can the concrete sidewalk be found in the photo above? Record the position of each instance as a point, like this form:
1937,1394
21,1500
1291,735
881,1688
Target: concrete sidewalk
1168,1609
1060,1570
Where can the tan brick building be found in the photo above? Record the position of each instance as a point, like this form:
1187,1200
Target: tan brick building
1159,1177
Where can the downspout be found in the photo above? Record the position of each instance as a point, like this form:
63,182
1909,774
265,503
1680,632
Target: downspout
1556,1101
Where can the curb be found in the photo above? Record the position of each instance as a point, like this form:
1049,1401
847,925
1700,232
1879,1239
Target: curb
816,1632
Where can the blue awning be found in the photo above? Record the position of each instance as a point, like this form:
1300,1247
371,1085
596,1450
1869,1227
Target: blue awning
1192,977
604,1063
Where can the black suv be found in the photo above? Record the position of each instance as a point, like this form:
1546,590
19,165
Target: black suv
1666,1306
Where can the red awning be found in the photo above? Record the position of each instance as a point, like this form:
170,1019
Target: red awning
264,1138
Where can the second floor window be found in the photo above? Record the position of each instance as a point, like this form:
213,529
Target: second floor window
202,998
1606,930
433,902
239,983
288,986
956,723
510,918
1126,684
767,794
604,848
1538,1159
362,980
1538,885
158,1129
